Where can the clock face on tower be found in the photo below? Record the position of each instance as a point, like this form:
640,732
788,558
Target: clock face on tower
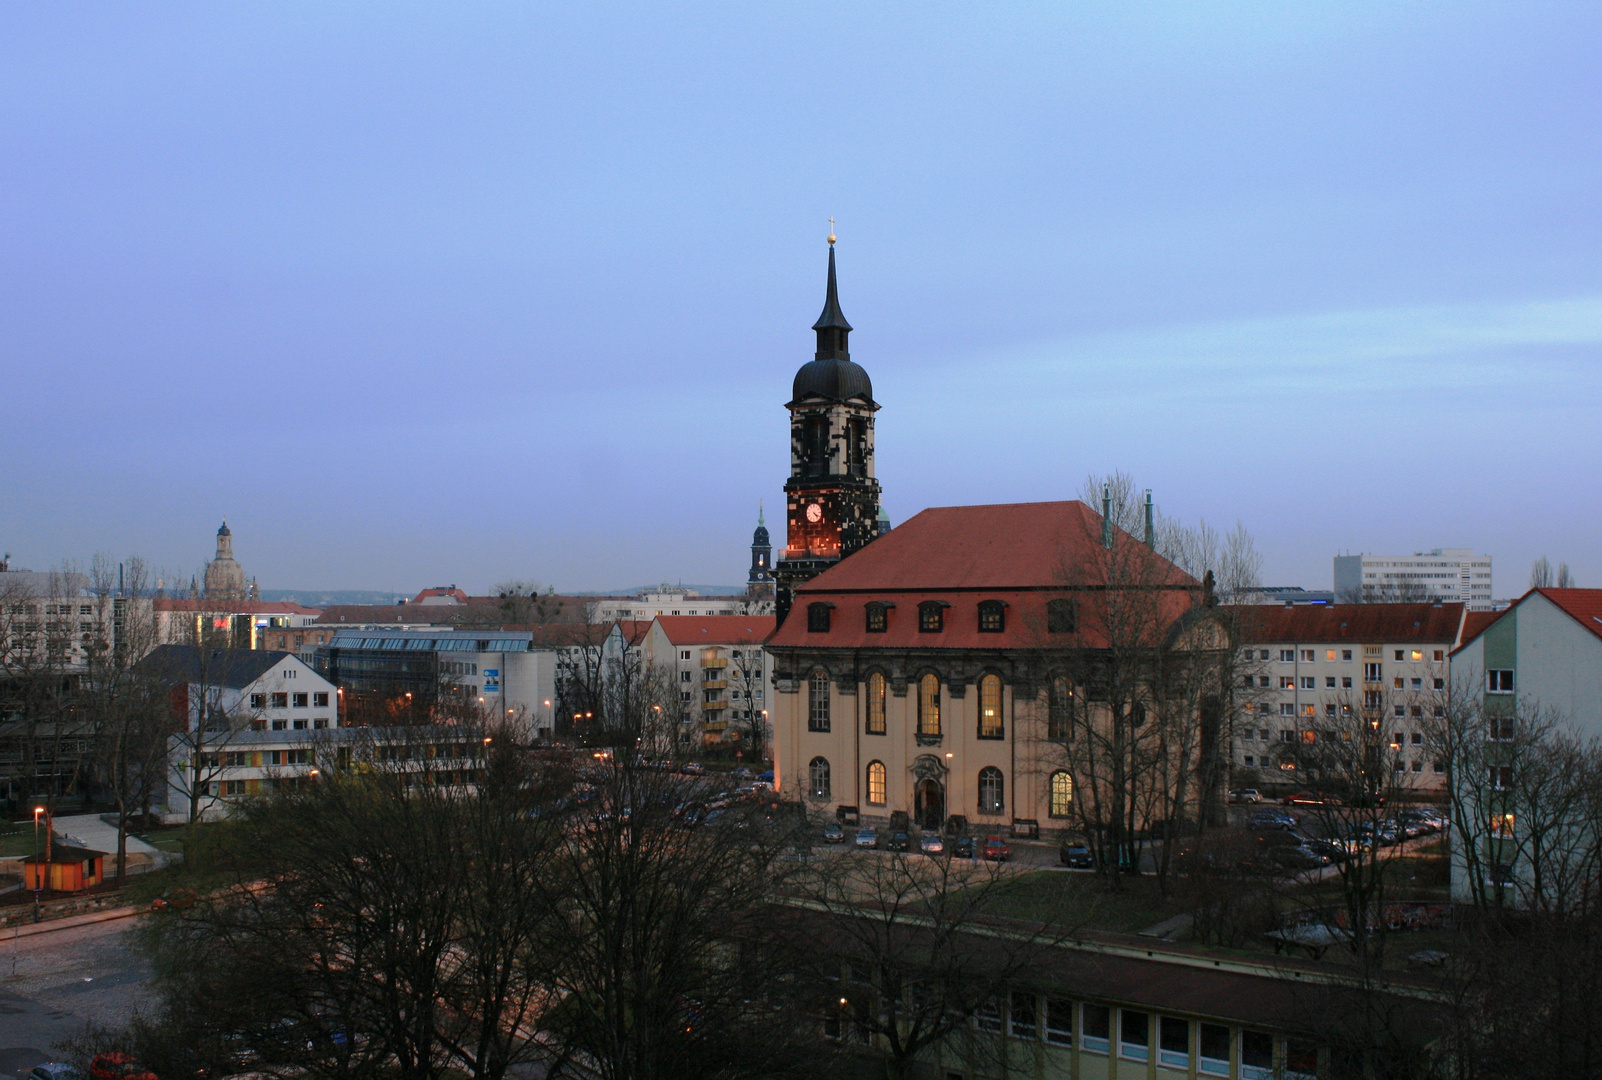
814,513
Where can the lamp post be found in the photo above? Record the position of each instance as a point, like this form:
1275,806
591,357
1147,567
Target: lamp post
38,867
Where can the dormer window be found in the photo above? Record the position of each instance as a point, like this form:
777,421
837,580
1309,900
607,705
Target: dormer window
878,618
1062,617
992,617
932,616
818,618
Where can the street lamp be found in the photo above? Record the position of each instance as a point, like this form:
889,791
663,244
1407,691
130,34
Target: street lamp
38,867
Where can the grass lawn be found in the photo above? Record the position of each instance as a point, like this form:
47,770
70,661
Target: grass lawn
1078,899
19,843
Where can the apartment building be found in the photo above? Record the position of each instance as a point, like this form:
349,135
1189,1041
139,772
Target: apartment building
1305,669
1446,574
670,601
244,689
722,670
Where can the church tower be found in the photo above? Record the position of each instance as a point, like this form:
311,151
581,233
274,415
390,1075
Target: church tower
760,584
225,578
831,498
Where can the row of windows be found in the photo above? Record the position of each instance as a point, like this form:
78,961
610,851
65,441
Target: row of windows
283,700
1308,656
1062,617
991,725
992,785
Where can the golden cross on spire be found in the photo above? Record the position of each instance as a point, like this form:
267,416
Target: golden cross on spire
831,231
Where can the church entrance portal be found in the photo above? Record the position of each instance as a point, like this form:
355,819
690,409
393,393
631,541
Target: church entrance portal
931,804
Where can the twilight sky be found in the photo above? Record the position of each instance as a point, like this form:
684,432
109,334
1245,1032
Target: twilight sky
453,293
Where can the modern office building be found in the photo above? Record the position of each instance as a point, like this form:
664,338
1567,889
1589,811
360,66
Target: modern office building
1450,574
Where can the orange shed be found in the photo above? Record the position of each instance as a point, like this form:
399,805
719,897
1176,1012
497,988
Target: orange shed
69,869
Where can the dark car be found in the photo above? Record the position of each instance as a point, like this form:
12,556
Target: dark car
1298,857
833,833
1310,798
766,777
899,841
53,1070
996,849
1270,818
962,847
1334,850
1076,857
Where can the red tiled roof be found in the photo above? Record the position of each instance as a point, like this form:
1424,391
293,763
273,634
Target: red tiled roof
717,629
1584,606
1475,623
1001,546
1023,554
1356,623
634,630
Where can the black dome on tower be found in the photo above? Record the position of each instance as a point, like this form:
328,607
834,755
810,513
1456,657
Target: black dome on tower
831,376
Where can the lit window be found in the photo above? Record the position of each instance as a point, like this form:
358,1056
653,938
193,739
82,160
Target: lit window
929,705
1062,793
931,617
876,704
878,619
876,777
992,617
990,725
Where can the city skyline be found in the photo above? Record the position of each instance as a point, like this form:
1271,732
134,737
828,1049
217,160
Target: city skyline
504,295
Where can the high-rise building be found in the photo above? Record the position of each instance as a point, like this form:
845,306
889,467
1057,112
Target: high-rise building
831,497
1446,574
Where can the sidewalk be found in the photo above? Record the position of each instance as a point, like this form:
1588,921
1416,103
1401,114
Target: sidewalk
23,930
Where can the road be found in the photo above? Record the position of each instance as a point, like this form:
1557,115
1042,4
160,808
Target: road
53,983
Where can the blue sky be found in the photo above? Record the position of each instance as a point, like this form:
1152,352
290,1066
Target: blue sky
424,294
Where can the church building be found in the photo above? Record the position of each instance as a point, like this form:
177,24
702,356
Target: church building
225,578
939,671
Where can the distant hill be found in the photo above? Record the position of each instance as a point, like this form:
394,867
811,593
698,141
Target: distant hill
321,598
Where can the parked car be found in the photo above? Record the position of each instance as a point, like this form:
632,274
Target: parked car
1298,857
1310,798
962,847
117,1065
1076,857
766,777
899,841
996,849
1246,795
1334,849
741,773
694,768
53,1070
931,844
175,900
867,837
833,833
1271,818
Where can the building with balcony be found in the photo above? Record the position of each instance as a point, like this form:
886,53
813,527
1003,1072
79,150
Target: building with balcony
722,672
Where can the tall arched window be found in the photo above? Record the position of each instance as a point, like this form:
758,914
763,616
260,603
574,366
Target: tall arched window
992,794
875,704
818,701
929,705
1062,793
876,793
819,777
990,725
1060,717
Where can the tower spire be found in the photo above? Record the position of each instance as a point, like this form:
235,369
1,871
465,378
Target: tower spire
831,326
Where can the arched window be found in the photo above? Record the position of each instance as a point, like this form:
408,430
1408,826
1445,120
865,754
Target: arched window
876,794
1062,793
1060,709
929,705
992,794
1062,616
819,778
875,704
990,725
818,701
992,617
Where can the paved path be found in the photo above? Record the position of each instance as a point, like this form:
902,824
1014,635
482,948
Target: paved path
52,983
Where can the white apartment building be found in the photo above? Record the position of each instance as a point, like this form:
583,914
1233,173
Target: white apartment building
1306,668
672,601
723,672
1447,574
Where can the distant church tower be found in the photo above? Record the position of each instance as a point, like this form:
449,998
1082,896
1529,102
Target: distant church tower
225,578
832,498
759,586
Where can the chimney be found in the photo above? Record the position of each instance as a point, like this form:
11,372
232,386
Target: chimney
1151,523
1106,516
